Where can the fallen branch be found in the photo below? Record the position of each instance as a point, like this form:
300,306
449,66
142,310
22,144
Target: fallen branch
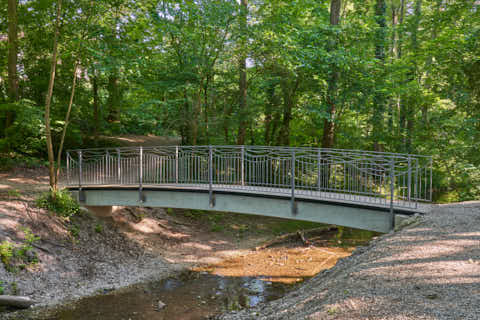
295,235
16,301
41,248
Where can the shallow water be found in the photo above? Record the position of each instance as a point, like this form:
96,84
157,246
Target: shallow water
192,295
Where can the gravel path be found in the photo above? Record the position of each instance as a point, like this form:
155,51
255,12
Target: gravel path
428,270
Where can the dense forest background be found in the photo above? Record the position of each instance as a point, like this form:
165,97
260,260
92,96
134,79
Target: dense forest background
386,75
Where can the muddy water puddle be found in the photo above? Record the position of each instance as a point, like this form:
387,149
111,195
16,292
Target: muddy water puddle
194,295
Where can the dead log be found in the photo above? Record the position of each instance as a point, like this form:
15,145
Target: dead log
295,235
16,301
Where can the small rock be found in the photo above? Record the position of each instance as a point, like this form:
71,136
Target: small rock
431,296
160,305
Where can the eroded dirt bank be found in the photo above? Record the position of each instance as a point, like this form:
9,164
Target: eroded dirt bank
430,270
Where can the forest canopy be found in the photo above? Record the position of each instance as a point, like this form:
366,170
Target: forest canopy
386,75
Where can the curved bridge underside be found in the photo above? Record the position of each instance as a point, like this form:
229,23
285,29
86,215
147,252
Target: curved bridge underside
367,217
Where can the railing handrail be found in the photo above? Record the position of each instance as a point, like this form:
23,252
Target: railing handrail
253,147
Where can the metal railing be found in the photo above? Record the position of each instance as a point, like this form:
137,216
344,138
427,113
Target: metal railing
374,178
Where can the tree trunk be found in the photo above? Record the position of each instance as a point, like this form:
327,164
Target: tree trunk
289,93
16,301
67,120
12,59
269,107
401,104
379,98
414,76
113,98
96,116
12,50
332,81
48,100
243,112
196,116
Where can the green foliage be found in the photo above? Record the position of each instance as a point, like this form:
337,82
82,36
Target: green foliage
6,252
173,69
61,203
98,228
74,230
27,134
17,257
2,288
13,193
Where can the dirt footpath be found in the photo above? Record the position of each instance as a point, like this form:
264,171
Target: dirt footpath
430,270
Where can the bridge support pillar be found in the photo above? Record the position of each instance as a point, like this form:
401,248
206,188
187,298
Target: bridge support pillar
102,211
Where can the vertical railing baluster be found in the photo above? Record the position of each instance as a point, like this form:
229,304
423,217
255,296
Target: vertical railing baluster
415,191
119,177
392,192
242,166
210,176
80,161
176,164
431,178
140,172
292,200
409,195
68,168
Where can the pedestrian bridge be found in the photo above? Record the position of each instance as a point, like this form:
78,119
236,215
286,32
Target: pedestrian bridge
360,189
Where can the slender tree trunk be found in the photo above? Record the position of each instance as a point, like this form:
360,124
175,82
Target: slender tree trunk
227,112
328,139
289,93
12,50
113,97
414,75
428,65
402,111
67,121
269,107
12,58
196,115
243,124
206,109
48,100
379,99
393,52
96,103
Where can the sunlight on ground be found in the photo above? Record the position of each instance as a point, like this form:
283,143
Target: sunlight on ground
287,265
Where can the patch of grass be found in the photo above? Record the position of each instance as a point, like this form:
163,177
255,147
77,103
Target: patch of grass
59,202
98,228
217,227
6,253
19,257
331,311
13,193
74,230
2,288
14,286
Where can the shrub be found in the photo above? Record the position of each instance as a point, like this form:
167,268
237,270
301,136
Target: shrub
60,202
